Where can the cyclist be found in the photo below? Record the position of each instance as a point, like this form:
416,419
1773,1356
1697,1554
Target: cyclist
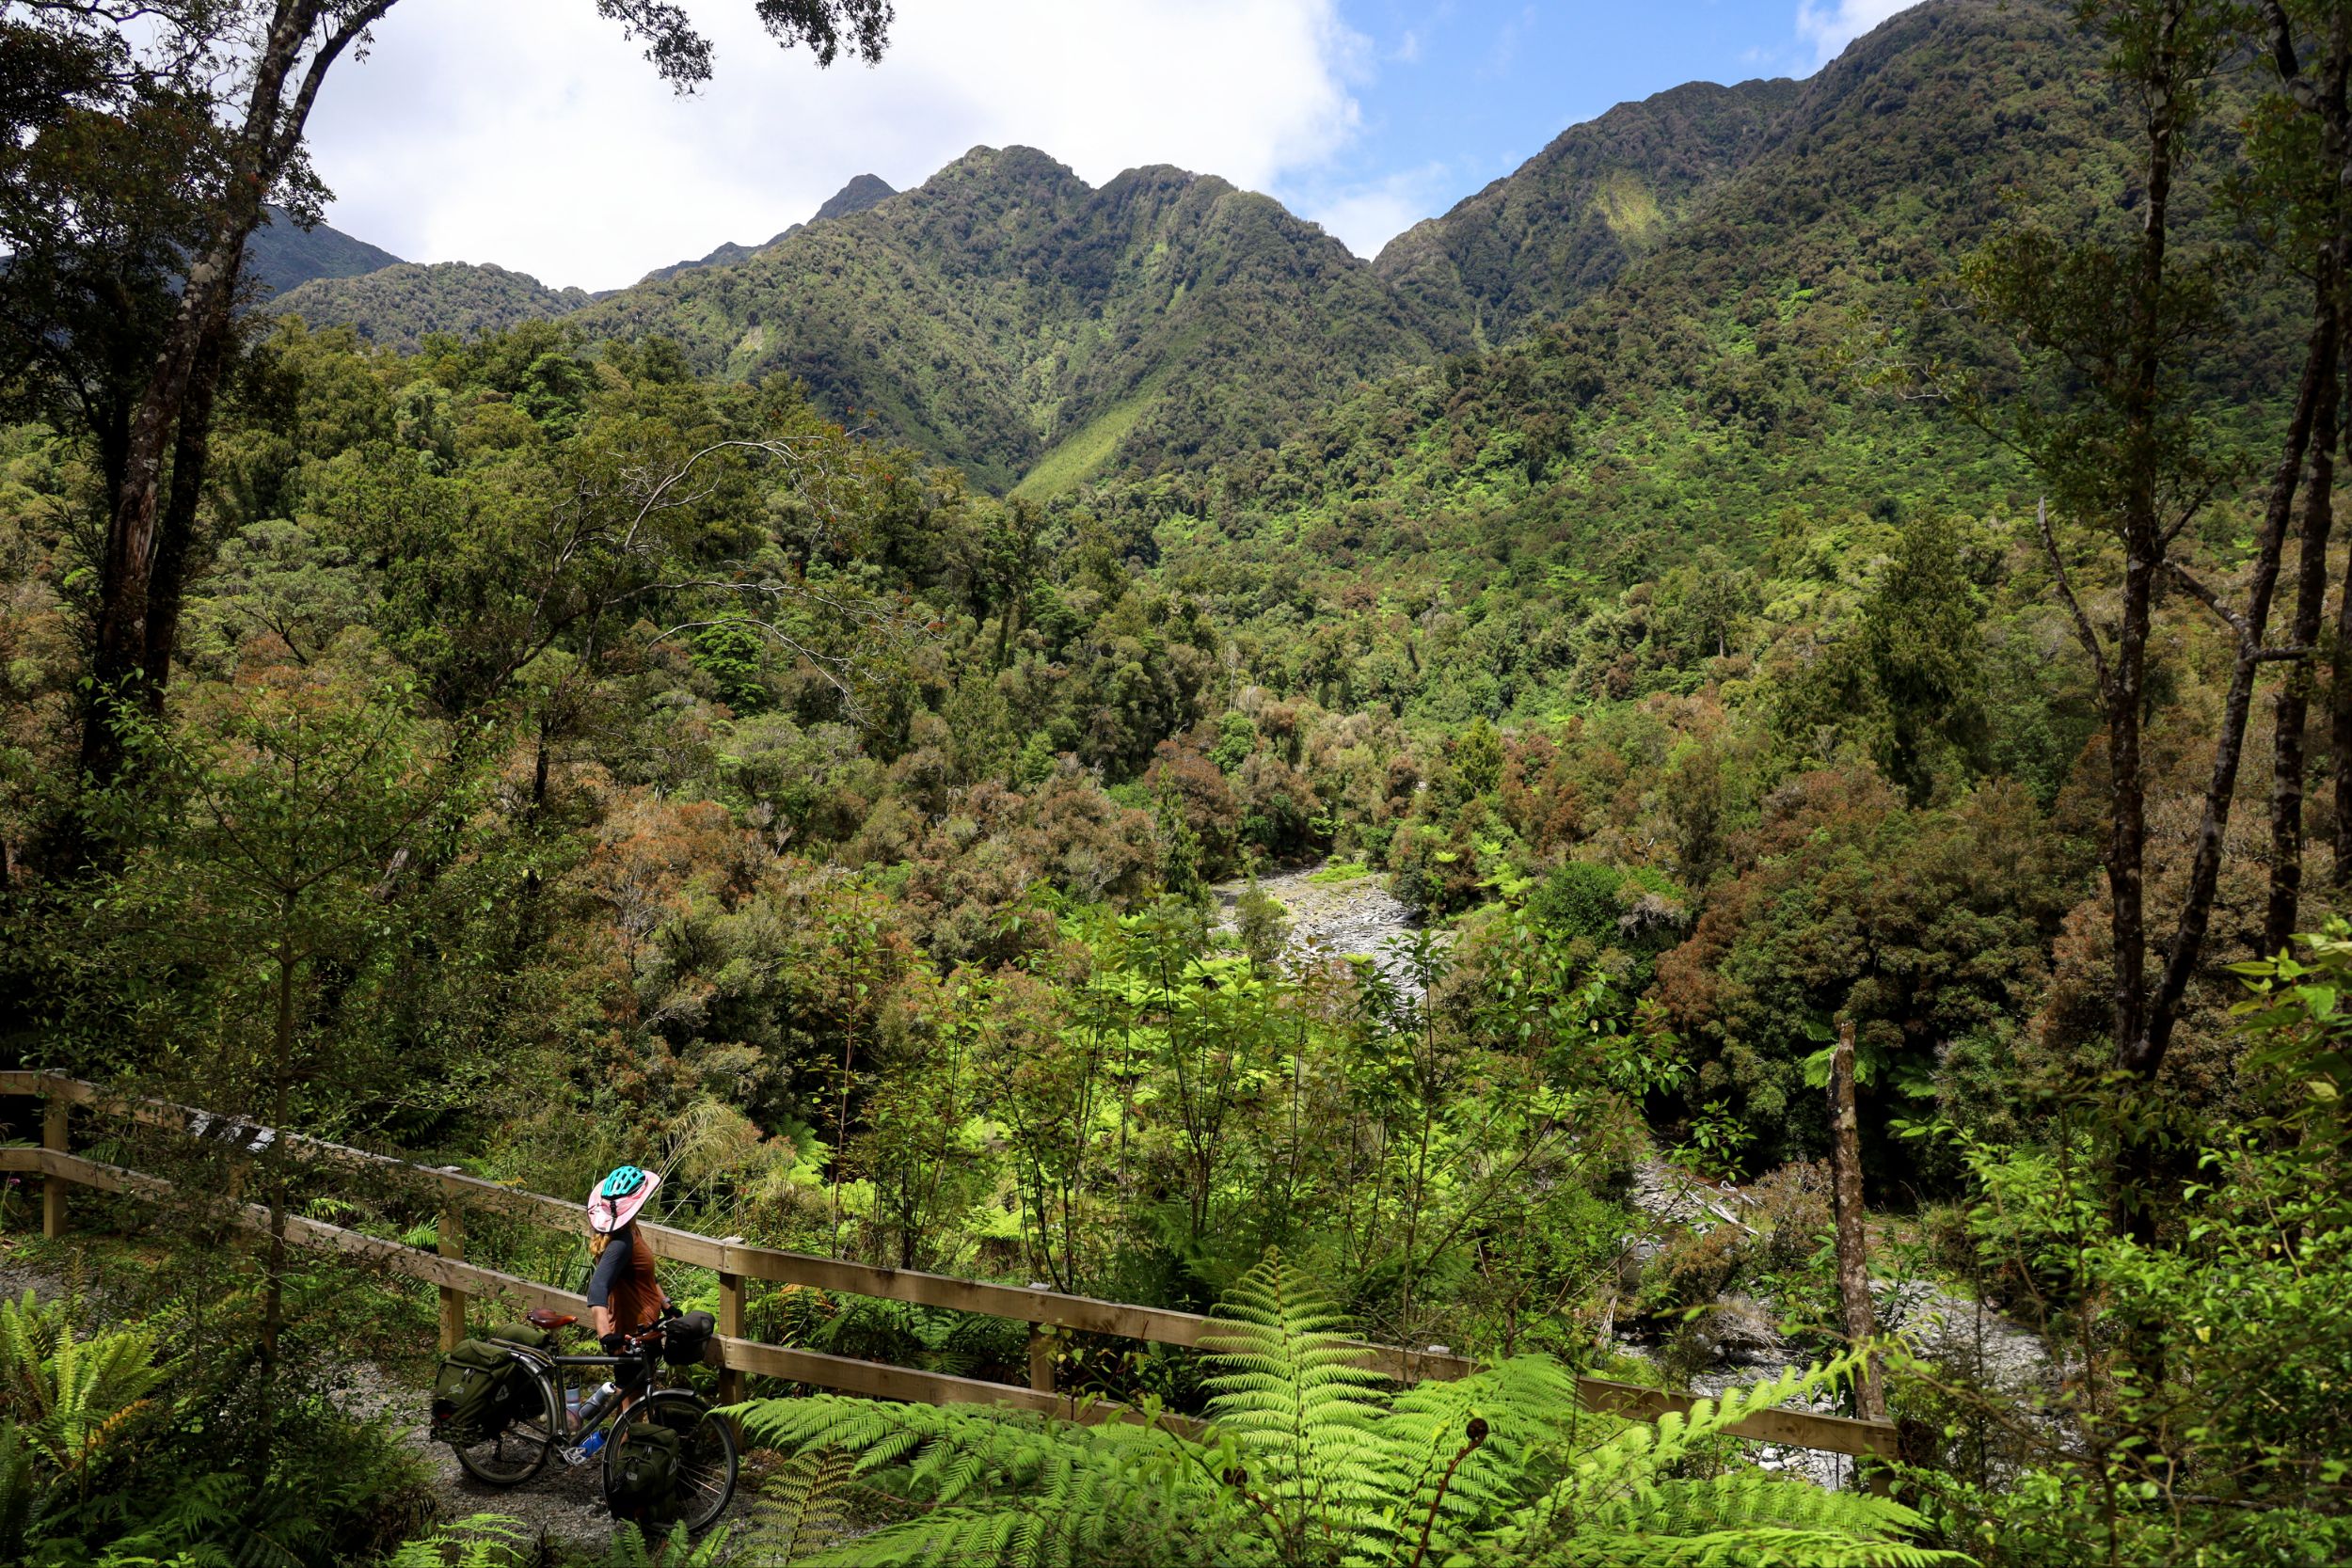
623,1294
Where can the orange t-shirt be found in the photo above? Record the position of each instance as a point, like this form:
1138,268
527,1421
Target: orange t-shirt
623,1282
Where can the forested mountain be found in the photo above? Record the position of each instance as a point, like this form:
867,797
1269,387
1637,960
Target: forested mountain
1010,319
282,257
1570,220
864,191
1715,417
399,304
859,194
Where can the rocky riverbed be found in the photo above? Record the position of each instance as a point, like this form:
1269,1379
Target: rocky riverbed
1358,914
1340,916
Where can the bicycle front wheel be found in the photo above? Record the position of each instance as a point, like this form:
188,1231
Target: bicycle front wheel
702,1482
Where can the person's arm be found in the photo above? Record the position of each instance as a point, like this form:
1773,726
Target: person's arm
610,1267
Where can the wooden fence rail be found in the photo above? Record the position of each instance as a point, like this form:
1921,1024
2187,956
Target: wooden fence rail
736,1264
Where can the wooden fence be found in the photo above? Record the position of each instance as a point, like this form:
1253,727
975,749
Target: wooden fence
738,1265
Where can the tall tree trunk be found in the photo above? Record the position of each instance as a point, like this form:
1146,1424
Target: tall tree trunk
170,415
2323,94
1853,1265
175,540
2340,719
2292,702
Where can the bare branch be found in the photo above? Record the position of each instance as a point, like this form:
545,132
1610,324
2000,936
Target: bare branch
2084,631
2210,599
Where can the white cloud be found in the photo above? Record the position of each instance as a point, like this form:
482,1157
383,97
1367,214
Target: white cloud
1832,26
530,133
1366,216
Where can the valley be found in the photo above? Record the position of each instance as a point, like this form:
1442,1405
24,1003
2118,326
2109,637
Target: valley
1704,792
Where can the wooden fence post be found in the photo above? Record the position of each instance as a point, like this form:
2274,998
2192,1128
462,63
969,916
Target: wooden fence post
453,1244
1041,1359
55,1112
731,1327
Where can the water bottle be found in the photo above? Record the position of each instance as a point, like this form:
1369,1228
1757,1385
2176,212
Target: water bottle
596,1405
589,1411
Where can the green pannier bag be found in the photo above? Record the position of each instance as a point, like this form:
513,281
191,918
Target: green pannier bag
642,1483
522,1334
472,1400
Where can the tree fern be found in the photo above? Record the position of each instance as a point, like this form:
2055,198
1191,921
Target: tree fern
1312,1461
801,1508
988,1487
1300,1409
1622,1491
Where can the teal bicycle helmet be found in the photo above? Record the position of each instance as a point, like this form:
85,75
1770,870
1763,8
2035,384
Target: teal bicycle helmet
618,1197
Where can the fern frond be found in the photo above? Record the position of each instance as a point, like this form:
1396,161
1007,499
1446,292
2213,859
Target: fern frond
1622,1491
1741,1548
1290,1392
801,1506
483,1541
1462,1457
1004,1488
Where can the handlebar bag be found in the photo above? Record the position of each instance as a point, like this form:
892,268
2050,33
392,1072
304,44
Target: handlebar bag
683,1342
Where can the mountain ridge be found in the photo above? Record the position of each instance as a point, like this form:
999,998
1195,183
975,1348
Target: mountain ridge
863,191
282,256
1039,332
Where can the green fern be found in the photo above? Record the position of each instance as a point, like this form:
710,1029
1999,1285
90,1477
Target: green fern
801,1508
1312,1461
987,1487
1299,1406
73,1400
629,1549
484,1540
1622,1492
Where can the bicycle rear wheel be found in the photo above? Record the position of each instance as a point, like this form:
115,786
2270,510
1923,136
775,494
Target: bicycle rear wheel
521,1450
704,1481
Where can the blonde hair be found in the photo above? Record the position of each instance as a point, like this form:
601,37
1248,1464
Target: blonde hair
599,1240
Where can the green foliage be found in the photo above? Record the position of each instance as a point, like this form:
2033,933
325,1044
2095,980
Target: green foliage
400,304
1310,1458
483,1541
72,1401
804,1506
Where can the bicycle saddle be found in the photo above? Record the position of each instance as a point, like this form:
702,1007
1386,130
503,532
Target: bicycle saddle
540,1318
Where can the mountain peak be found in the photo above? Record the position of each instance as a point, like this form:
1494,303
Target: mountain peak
866,191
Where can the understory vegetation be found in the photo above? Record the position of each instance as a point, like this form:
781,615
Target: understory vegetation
1877,607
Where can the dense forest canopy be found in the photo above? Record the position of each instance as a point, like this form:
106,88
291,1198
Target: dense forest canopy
1788,661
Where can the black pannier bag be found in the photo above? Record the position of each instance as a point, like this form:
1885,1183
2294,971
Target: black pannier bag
641,1482
682,1342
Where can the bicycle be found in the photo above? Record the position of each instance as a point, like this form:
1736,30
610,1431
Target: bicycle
544,1415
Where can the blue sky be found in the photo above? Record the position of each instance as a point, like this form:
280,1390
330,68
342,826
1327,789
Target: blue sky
529,133
1450,96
